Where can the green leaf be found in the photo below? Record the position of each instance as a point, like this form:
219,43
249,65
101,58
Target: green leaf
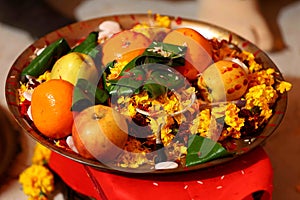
154,89
174,56
128,82
156,80
201,150
169,54
86,93
165,50
47,58
89,45
167,77
80,100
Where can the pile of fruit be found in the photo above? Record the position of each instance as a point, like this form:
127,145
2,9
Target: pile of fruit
148,95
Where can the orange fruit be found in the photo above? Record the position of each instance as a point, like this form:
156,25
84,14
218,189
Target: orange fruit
51,108
200,39
130,55
199,51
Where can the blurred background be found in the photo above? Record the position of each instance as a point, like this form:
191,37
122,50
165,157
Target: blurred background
22,22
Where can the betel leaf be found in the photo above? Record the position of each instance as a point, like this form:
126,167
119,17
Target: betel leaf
99,95
167,77
161,53
201,150
80,100
89,45
138,72
128,82
86,94
165,50
154,89
46,59
161,79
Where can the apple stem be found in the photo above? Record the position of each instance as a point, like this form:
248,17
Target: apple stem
97,116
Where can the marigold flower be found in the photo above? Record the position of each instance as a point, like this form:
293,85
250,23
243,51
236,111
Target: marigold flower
134,154
37,181
284,86
44,77
253,65
41,155
166,132
232,119
142,28
116,70
261,96
202,123
162,21
26,89
262,77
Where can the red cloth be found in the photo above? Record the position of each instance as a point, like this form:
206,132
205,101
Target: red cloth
234,180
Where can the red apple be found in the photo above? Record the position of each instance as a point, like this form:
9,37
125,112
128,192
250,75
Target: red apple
99,132
124,46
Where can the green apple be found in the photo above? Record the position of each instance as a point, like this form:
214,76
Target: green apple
74,66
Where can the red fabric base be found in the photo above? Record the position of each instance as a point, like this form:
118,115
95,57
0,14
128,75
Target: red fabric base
234,180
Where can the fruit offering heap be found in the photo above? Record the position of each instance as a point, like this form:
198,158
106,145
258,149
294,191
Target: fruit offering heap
149,94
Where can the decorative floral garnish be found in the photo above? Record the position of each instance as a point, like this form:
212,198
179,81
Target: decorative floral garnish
134,154
37,180
162,21
116,70
41,155
159,21
253,65
233,120
26,89
202,123
261,96
284,86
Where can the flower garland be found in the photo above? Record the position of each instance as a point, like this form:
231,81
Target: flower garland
37,180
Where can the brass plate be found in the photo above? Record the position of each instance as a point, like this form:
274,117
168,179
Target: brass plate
73,32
